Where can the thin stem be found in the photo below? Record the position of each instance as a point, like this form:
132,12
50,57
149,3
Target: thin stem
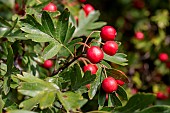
69,51
66,65
88,38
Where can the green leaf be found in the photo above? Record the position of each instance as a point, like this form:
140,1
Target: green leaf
121,92
1,104
71,101
47,100
156,109
115,100
94,85
101,97
20,111
35,34
117,74
48,25
77,80
87,24
30,103
9,3
118,58
4,22
10,30
69,34
51,50
33,22
6,85
138,101
62,25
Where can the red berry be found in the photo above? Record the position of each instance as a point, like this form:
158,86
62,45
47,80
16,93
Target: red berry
95,54
88,86
134,90
139,35
82,1
48,64
120,82
163,57
90,67
109,85
110,48
108,33
161,96
16,7
88,8
168,89
50,7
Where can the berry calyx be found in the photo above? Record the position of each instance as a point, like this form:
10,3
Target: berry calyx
90,67
88,9
110,48
108,33
120,82
109,85
50,7
139,35
48,64
95,54
163,57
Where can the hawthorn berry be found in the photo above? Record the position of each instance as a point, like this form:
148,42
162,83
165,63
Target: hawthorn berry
163,57
110,48
51,7
88,9
48,64
88,86
161,96
95,54
108,33
90,67
120,82
139,35
138,4
109,85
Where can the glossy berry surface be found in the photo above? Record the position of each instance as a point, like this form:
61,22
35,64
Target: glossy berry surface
90,67
88,8
163,57
110,48
161,96
95,54
120,82
108,33
48,64
109,85
139,35
50,7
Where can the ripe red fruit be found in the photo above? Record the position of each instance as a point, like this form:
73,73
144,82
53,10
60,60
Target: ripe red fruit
50,7
109,85
163,57
139,35
120,82
48,64
88,8
161,96
88,86
108,33
95,54
82,1
110,48
90,67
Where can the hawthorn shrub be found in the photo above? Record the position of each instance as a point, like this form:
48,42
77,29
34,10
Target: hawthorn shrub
50,51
